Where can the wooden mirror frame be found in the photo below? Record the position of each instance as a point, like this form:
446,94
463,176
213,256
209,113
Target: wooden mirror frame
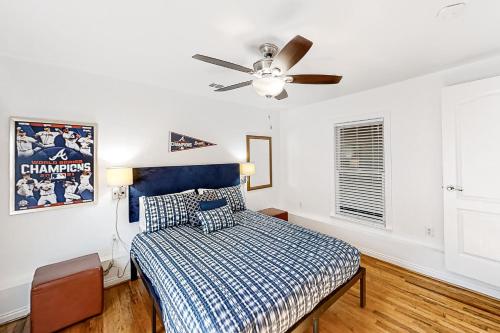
249,182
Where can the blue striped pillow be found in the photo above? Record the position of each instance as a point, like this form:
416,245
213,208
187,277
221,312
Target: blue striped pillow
165,211
233,196
216,219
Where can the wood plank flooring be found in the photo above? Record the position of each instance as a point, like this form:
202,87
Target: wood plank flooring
397,301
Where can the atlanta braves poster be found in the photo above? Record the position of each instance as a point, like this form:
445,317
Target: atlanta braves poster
53,164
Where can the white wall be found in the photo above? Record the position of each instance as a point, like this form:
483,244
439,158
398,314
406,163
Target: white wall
414,109
134,121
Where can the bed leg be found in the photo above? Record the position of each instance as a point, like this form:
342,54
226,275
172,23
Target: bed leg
153,319
315,325
133,270
362,288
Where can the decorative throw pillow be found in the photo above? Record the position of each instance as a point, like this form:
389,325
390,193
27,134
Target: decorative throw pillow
207,195
233,196
165,211
192,205
212,204
216,219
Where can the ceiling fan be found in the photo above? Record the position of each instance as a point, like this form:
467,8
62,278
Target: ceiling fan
270,72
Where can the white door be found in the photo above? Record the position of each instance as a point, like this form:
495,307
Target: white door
471,175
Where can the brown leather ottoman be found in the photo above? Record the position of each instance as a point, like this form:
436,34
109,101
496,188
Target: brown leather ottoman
65,293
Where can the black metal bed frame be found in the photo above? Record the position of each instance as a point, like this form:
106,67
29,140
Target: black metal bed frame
299,326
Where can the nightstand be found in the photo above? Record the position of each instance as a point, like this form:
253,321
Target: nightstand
278,213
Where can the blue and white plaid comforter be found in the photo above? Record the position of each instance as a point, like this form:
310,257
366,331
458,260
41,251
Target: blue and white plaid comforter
262,275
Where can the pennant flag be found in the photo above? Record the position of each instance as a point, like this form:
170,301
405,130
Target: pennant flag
180,142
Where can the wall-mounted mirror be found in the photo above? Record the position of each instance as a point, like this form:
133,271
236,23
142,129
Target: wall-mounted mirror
259,152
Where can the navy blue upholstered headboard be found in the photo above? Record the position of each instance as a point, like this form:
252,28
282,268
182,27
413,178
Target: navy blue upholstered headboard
173,179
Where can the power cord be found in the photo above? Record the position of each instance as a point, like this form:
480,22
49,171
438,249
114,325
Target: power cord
124,245
111,262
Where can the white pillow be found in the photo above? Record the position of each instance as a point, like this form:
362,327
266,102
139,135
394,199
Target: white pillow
142,215
203,190
142,211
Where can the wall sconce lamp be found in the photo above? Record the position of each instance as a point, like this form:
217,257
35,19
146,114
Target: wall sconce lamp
119,178
246,170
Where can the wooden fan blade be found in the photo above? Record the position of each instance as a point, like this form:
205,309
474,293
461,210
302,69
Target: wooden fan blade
315,79
235,86
292,53
283,94
222,63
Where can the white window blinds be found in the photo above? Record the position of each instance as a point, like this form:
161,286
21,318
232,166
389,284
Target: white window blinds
359,171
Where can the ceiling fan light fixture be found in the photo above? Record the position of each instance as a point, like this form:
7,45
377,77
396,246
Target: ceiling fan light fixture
268,86
270,72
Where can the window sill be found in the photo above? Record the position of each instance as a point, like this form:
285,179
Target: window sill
350,220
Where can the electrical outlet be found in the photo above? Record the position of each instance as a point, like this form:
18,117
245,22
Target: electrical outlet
119,192
429,231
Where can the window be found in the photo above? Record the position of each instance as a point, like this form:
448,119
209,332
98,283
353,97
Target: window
360,171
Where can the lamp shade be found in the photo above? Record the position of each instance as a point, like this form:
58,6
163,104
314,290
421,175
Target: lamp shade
119,176
247,169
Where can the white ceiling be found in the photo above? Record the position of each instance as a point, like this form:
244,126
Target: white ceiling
371,43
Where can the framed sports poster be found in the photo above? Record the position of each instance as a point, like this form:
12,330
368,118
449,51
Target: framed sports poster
52,164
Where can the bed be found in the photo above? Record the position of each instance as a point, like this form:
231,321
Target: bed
262,275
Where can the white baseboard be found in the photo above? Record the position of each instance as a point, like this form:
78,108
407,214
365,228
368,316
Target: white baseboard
415,256
435,274
114,280
112,277
15,299
14,314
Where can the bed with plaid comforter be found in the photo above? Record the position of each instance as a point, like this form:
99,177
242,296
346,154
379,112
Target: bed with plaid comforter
262,275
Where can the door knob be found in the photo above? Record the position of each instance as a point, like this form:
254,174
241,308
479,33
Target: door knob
454,188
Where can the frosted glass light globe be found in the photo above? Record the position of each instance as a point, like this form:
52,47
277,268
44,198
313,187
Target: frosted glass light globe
268,86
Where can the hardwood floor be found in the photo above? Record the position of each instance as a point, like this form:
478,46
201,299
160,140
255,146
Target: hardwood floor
397,301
